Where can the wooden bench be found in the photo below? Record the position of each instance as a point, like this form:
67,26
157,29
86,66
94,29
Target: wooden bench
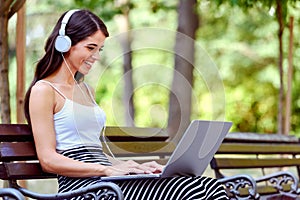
19,161
261,152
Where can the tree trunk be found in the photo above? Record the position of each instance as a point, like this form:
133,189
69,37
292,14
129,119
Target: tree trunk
128,83
288,101
124,25
181,91
280,66
4,82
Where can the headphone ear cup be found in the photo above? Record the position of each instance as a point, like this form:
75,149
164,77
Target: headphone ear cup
63,43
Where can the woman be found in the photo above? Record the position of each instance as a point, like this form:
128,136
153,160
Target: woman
66,121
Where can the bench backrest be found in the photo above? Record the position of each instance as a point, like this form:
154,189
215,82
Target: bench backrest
251,150
17,154
137,143
19,160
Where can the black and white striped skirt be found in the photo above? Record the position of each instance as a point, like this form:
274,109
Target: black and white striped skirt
179,188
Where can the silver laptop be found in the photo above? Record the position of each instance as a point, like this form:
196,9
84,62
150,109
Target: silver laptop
193,153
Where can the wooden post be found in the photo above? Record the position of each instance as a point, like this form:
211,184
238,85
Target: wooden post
20,52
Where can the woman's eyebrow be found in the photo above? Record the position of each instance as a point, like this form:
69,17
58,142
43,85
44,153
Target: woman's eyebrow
92,44
95,45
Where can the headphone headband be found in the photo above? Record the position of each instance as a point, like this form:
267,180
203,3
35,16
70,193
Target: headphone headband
65,20
63,42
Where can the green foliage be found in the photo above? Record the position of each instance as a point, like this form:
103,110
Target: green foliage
246,50
157,5
267,5
107,9
242,44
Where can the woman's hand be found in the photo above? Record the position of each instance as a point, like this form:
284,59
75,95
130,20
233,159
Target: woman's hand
132,167
153,166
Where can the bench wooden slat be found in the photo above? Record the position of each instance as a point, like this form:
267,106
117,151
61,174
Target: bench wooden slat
21,132
15,132
264,190
17,151
139,148
250,148
141,160
239,163
22,170
247,137
25,150
135,134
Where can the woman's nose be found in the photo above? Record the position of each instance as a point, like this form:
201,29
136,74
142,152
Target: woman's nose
96,55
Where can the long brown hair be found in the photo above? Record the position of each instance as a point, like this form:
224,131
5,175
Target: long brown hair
83,23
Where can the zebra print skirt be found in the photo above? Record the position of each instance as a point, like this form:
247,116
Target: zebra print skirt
173,188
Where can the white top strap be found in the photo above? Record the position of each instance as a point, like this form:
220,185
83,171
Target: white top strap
54,87
90,93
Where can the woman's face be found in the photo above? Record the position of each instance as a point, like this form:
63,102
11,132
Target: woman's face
83,55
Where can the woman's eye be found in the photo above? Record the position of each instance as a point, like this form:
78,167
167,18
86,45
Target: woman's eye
90,48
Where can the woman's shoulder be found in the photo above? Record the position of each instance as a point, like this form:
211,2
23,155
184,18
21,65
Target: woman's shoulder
42,98
42,88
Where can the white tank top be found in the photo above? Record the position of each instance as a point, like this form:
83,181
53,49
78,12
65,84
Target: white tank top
76,124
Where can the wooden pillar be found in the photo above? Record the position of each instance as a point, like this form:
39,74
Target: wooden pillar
20,52
21,62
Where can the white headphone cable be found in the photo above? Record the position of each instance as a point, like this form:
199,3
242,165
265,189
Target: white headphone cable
68,67
105,142
103,132
83,93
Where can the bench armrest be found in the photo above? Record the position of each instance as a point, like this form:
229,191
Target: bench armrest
108,191
277,180
235,184
12,193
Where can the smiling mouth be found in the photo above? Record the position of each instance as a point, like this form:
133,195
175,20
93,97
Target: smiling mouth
88,63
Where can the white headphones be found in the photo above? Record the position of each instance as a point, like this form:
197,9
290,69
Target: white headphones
63,42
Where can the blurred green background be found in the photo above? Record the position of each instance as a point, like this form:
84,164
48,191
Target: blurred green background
241,41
